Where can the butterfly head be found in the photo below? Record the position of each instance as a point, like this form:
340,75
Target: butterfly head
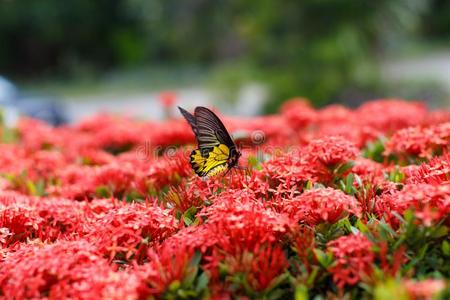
233,159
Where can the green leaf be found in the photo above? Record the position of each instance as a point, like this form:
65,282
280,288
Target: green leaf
253,162
446,248
358,180
324,259
186,294
390,289
187,221
361,226
349,183
196,258
374,150
354,230
301,292
31,188
202,282
385,228
174,285
309,185
40,187
189,215
312,276
439,232
342,185
422,252
409,216
344,167
102,191
345,223
399,217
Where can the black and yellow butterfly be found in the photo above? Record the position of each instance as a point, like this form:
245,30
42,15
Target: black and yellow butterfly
216,151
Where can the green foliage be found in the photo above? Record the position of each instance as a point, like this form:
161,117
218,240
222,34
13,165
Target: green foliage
323,50
194,285
396,175
390,289
374,150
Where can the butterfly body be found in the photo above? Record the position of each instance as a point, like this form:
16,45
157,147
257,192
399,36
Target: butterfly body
216,153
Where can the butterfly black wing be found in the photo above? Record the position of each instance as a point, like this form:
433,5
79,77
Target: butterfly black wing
190,119
210,130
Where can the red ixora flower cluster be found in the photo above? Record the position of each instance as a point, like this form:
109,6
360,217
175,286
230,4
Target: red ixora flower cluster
430,203
353,259
322,206
420,141
109,208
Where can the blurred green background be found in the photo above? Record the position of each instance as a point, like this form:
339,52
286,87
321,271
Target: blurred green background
325,50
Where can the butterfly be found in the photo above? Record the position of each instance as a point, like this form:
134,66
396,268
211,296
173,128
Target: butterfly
216,153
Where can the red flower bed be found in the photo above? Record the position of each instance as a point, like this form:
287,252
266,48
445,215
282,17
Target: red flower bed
333,203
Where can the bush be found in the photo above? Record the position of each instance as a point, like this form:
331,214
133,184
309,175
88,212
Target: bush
110,208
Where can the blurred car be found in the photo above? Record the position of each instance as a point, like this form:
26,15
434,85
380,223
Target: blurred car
15,103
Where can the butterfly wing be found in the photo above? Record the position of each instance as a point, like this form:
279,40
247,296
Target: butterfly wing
215,144
214,164
210,130
197,162
190,119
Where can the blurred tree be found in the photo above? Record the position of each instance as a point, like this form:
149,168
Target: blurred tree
311,48
51,35
316,48
436,21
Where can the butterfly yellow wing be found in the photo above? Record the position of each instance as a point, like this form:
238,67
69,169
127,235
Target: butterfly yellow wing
213,164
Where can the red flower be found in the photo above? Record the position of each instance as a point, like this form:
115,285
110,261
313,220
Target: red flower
76,183
112,133
335,113
47,219
126,230
321,206
13,159
430,203
168,98
389,115
353,259
425,289
168,263
61,271
437,117
331,151
298,112
93,157
337,120
116,179
303,241
436,172
289,172
240,224
37,135
185,196
261,267
201,238
369,171
165,134
272,130
21,221
420,142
